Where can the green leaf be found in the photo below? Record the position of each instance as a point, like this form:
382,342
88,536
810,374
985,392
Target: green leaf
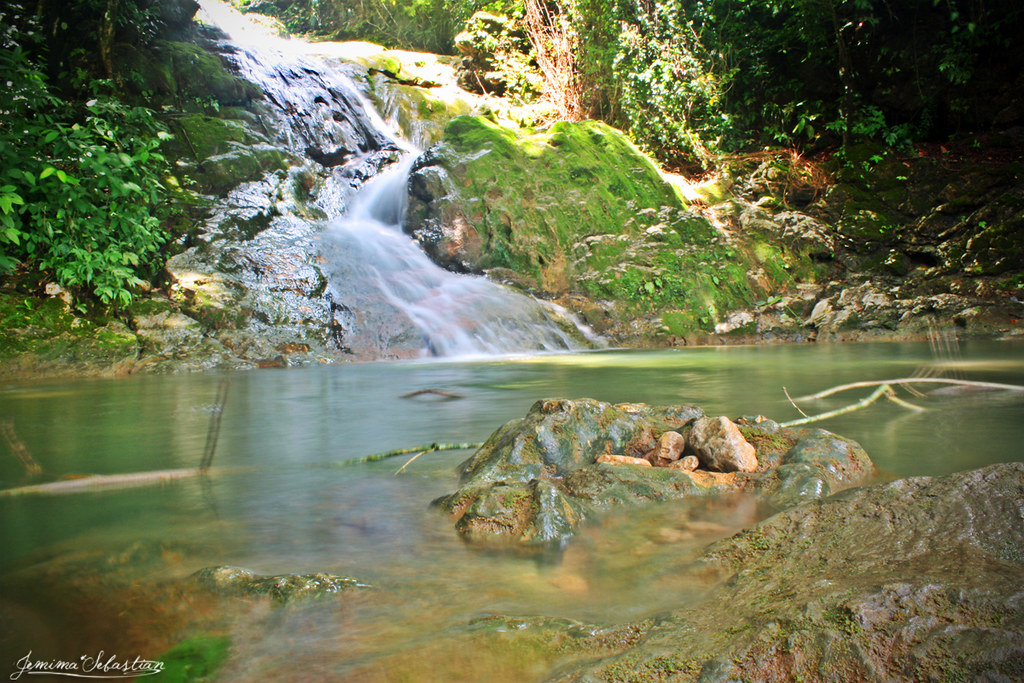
47,172
50,137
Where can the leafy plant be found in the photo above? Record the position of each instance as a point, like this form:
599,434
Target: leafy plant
80,189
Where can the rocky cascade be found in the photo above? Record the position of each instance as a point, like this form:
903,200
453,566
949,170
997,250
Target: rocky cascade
263,280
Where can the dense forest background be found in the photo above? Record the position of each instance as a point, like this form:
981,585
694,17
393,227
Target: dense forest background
85,195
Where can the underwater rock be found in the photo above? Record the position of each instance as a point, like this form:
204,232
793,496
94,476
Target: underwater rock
237,581
934,595
538,478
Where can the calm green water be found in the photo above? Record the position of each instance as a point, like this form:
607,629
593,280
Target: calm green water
296,512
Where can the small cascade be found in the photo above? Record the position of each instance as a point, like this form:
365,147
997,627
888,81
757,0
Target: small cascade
387,298
454,315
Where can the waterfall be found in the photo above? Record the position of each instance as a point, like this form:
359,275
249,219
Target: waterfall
386,295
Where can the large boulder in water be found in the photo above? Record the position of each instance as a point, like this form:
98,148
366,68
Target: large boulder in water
914,580
536,479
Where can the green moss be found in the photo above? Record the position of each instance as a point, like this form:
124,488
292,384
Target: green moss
199,136
200,76
195,659
44,329
659,668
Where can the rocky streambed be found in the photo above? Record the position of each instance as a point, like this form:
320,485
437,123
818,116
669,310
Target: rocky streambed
845,577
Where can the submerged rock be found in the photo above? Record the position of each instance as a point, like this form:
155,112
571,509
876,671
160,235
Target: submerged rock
916,579
536,479
244,582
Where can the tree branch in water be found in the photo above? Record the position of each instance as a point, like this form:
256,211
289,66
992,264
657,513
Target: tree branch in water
428,448
912,380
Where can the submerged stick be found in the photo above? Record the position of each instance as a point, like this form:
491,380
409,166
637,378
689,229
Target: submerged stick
912,380
428,448
103,482
18,449
435,392
213,432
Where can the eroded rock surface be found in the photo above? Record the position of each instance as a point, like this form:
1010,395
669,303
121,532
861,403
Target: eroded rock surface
536,479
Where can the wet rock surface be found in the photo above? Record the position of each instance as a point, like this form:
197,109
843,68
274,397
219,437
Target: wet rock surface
537,479
916,579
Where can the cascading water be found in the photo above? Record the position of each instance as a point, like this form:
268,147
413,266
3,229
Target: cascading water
455,314
386,295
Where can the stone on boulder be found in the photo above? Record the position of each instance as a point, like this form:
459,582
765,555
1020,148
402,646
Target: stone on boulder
720,446
669,449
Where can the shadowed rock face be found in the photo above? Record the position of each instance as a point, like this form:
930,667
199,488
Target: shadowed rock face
917,579
536,479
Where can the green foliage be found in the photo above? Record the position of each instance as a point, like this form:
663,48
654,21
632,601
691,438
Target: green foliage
428,25
80,188
669,91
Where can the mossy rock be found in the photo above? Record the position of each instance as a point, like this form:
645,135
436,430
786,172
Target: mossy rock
44,334
535,480
222,172
199,75
996,249
577,209
200,136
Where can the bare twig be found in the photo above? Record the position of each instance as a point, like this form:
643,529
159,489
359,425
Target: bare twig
878,393
407,462
792,402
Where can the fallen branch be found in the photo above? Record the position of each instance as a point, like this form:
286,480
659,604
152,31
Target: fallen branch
429,448
912,380
103,482
880,392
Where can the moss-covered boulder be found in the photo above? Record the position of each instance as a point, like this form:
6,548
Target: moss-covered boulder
42,334
199,75
914,580
577,209
536,479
